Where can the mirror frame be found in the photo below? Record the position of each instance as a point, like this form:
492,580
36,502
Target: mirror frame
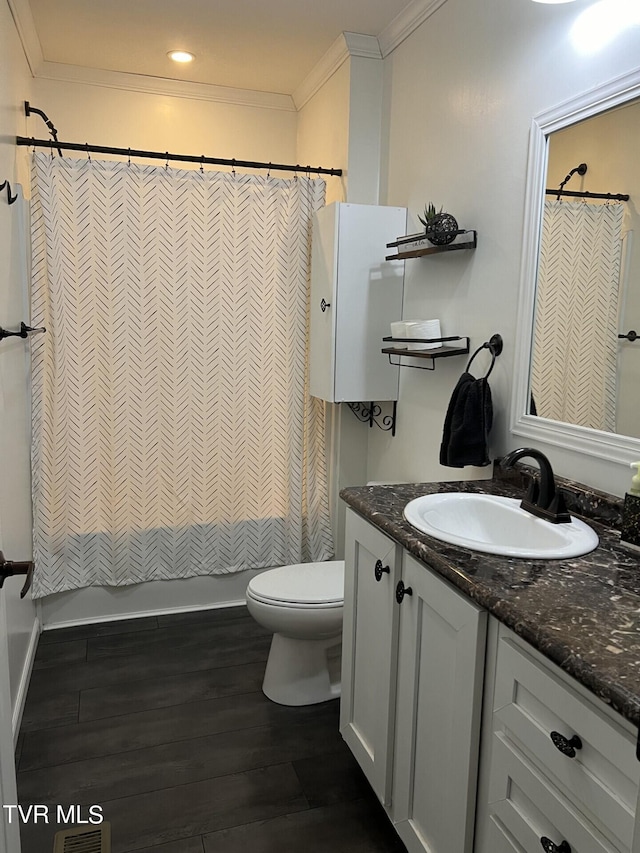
605,445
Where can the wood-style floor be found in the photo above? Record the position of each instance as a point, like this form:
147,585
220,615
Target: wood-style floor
161,722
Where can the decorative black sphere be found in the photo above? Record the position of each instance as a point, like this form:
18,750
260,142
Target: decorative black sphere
442,229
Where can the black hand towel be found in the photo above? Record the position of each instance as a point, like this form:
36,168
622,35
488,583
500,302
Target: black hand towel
467,424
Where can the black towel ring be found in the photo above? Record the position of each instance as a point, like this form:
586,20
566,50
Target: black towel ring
494,345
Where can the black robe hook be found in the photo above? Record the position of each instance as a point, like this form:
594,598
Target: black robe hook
10,198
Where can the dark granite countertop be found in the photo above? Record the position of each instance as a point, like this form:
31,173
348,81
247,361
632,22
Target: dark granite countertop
581,613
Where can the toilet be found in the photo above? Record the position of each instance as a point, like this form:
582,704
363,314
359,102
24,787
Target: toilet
302,604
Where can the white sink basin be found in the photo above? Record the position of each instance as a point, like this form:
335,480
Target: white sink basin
497,525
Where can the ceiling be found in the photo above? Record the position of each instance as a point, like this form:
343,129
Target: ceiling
247,44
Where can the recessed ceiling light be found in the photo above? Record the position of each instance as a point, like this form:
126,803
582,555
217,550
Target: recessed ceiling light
553,1
181,56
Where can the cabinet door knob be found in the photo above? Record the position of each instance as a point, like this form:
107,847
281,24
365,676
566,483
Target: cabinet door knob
380,570
549,847
324,305
565,745
401,591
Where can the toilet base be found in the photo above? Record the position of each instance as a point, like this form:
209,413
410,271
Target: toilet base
302,672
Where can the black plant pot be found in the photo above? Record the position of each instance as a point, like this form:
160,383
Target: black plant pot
442,229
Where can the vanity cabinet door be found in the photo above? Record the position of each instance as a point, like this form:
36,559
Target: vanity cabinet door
439,696
369,648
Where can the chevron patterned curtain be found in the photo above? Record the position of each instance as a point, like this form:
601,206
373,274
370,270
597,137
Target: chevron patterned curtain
576,323
173,431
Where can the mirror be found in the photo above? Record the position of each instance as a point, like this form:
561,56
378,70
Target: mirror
580,283
588,277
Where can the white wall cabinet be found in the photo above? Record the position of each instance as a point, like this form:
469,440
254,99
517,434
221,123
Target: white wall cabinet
412,683
355,294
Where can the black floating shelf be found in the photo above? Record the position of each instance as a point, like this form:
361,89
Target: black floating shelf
432,250
440,352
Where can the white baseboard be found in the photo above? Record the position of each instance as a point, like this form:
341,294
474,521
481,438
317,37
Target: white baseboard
23,686
141,614
154,598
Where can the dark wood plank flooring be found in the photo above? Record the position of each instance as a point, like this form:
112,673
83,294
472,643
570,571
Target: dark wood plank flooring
162,722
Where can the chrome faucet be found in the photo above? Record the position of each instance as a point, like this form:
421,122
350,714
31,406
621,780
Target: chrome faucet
542,499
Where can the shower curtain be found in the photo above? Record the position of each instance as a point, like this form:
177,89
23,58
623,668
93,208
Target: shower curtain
576,323
173,431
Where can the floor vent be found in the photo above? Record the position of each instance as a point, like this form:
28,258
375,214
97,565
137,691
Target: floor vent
83,839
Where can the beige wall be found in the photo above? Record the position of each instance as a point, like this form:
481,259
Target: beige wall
459,98
15,503
323,139
115,117
323,130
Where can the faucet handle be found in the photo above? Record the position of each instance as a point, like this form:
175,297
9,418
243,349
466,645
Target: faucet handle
558,509
556,512
533,492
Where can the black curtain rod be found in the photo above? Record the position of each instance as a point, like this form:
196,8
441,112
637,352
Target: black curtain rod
585,194
182,158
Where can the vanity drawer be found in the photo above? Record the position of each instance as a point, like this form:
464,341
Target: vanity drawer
531,701
525,809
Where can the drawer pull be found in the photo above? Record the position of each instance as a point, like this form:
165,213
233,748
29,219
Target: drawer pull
549,847
379,570
566,747
324,305
401,591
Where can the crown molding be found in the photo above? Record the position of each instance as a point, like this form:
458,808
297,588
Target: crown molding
355,44
346,45
406,22
163,86
361,45
23,19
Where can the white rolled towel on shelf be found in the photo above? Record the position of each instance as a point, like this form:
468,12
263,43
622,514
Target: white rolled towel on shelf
398,329
424,329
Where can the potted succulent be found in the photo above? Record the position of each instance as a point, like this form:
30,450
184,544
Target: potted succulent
440,228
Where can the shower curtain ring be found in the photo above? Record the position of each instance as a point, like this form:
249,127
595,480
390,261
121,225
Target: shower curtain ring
269,170
86,145
129,158
166,165
202,164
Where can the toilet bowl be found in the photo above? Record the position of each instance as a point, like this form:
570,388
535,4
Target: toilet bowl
302,604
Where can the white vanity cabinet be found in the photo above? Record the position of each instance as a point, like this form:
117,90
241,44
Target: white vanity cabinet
355,294
560,772
551,769
413,656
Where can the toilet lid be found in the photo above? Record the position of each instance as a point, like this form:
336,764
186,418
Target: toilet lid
304,583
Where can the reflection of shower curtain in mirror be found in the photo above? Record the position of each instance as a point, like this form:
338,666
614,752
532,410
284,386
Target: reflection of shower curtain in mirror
173,431
575,349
